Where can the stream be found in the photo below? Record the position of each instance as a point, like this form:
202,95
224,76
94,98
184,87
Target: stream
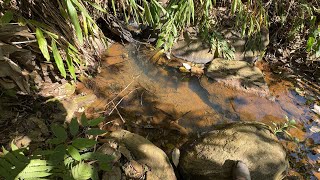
169,107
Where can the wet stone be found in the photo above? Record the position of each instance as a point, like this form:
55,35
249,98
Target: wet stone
194,51
214,154
238,74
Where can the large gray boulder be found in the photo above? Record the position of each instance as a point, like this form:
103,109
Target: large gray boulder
147,154
213,155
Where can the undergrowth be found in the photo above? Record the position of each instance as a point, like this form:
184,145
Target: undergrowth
68,154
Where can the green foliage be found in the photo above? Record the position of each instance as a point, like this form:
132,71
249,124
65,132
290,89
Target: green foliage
284,127
65,158
250,16
313,43
220,46
15,165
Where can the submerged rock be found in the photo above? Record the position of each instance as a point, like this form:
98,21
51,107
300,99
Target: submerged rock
146,154
214,155
238,74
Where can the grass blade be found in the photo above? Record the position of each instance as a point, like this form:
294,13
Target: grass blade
58,58
75,20
43,45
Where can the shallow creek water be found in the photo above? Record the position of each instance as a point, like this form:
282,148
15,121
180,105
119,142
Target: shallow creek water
168,107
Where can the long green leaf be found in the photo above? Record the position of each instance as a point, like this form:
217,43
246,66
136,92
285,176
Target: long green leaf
58,59
96,131
43,45
95,122
71,66
75,20
74,153
74,126
82,143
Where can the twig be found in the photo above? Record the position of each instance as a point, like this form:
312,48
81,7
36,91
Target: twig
119,113
23,42
120,101
122,91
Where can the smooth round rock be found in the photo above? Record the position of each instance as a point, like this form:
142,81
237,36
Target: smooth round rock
146,154
214,154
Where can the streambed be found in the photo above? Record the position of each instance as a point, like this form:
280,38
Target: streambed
169,107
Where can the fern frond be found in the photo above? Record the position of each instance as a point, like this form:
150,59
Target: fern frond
14,165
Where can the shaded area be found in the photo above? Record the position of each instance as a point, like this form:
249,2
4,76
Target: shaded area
26,117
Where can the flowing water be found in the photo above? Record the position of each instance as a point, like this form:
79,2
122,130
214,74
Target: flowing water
168,107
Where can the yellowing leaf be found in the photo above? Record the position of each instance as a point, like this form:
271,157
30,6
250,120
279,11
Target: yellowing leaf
43,45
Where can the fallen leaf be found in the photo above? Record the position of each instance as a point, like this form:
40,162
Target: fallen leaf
186,65
175,156
316,109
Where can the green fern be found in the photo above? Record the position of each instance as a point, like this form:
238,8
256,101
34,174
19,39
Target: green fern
66,158
15,165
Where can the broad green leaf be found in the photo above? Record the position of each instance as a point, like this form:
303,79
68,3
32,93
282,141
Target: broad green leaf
58,59
96,131
95,122
82,143
70,65
84,120
74,127
82,171
74,153
7,17
58,155
59,132
56,141
43,45
75,20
